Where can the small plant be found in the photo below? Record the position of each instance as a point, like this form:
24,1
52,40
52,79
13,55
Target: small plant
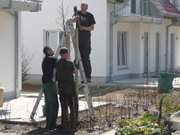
25,65
170,105
145,125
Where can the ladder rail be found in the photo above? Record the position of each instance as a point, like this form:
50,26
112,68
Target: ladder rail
36,104
82,73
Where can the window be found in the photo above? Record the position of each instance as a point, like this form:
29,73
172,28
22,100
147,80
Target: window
157,58
53,39
146,7
133,6
172,47
174,2
122,48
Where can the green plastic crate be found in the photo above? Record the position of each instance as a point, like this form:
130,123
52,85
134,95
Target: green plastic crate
165,82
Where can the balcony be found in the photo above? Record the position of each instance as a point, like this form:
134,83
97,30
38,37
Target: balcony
20,5
136,11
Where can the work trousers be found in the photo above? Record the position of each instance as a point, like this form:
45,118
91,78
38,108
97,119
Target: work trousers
51,104
85,50
69,102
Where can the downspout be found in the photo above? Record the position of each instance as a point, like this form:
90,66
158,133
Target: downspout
111,49
167,45
16,32
112,14
16,51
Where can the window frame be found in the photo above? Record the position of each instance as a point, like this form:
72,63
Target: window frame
46,37
122,41
133,6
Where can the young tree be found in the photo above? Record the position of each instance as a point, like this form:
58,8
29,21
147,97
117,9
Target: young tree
25,65
62,18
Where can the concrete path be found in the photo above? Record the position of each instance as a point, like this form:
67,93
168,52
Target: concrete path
19,110
112,132
144,82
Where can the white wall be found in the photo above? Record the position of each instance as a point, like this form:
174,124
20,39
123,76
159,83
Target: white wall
7,60
33,25
136,46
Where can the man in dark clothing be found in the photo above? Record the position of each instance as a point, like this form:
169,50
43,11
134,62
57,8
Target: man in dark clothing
49,88
85,22
68,95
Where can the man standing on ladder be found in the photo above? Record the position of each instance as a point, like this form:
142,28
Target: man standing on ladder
85,23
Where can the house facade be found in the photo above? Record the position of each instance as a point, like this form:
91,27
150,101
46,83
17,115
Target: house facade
145,37
10,37
132,38
44,26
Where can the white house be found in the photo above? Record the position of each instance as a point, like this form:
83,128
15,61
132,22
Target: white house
131,37
10,37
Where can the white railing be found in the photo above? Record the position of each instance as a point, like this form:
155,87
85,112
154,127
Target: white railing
21,5
29,0
125,10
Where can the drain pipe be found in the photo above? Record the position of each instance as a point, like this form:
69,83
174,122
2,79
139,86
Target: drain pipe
17,70
110,49
167,45
112,14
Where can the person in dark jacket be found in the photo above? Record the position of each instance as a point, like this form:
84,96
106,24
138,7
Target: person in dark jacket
49,88
68,96
85,22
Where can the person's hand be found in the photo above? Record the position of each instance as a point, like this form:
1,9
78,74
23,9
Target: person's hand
76,18
82,28
76,63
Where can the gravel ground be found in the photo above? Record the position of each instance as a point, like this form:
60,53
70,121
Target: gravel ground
103,122
106,116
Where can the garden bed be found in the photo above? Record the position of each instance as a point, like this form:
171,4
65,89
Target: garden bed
123,104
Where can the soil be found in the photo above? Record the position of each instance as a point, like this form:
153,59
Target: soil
121,104
106,119
26,87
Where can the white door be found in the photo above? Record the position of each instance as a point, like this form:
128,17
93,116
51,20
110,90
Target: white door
53,39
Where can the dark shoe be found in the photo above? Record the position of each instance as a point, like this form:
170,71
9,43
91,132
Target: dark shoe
89,80
81,87
75,126
82,81
61,126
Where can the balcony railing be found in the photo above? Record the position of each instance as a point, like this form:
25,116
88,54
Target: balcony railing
141,8
20,5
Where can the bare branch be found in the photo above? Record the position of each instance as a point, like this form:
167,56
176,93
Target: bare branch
25,64
62,17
